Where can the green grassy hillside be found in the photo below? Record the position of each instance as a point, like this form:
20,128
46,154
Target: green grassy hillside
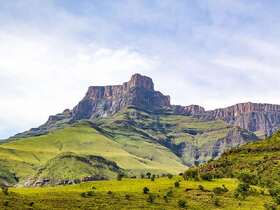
128,194
137,141
261,160
25,156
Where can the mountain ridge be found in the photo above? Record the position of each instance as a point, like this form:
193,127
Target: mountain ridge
138,92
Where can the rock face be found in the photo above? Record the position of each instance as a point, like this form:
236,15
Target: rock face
101,101
192,110
254,117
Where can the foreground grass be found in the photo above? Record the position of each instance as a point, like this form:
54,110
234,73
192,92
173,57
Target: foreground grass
128,194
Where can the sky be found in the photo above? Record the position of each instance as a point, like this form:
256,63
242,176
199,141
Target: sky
214,53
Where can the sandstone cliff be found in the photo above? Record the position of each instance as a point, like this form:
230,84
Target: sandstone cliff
262,118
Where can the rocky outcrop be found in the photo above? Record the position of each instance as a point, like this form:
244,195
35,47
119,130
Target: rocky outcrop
192,110
102,101
138,92
264,118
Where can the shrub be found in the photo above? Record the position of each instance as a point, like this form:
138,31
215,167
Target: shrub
200,187
120,176
247,178
177,184
182,204
170,176
242,190
109,192
148,175
165,198
153,177
146,190
220,190
206,176
169,193
192,173
6,203
216,201
142,176
127,197
5,190
275,194
151,198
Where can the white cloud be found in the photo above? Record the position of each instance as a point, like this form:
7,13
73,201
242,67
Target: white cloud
42,75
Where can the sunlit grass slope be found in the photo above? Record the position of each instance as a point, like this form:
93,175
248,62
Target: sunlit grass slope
260,159
83,139
128,194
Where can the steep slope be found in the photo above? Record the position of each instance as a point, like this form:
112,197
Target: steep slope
69,167
264,119
83,139
260,159
191,139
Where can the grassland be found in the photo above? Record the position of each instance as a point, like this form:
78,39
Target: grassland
128,194
259,159
137,141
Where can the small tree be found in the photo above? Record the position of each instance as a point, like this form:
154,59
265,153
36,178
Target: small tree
206,176
5,190
182,204
120,176
275,194
146,190
177,184
153,177
148,175
151,198
192,173
242,191
170,176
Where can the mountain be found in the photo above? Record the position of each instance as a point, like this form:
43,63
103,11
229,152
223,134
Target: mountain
264,119
259,159
134,128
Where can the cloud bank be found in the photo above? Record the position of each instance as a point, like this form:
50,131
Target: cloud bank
213,53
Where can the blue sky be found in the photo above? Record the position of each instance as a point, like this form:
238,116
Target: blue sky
209,52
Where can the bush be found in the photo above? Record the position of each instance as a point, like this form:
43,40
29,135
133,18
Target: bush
109,192
192,173
169,193
151,198
275,194
165,199
127,197
148,175
182,204
206,176
5,190
216,201
153,177
220,190
170,176
120,176
177,184
200,187
146,190
247,178
242,190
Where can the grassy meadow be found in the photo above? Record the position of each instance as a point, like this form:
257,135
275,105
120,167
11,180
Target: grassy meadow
128,194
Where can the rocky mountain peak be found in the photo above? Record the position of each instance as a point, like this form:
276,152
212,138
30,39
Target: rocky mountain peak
137,80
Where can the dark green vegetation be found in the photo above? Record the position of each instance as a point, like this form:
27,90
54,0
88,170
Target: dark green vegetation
130,142
130,194
254,163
